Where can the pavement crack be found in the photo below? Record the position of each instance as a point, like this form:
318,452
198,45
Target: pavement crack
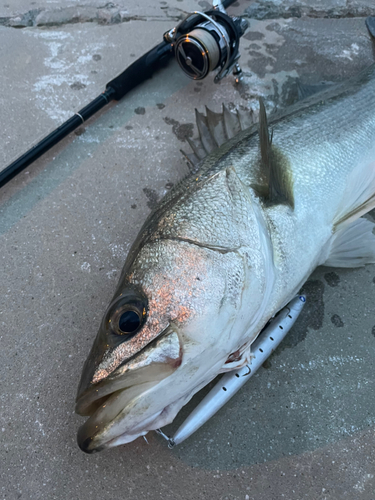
288,9
107,14
111,13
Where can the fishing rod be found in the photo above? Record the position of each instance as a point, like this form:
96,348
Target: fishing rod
201,43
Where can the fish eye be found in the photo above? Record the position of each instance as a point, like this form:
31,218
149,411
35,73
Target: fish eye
129,322
126,315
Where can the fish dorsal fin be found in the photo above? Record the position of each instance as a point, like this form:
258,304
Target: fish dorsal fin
265,141
215,129
274,164
207,138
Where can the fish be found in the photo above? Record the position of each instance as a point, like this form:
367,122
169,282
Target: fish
228,248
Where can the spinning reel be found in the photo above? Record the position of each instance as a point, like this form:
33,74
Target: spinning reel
206,41
201,43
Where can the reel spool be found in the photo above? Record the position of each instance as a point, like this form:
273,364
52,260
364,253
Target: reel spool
207,41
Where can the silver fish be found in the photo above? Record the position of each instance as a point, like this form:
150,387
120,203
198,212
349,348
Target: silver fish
227,249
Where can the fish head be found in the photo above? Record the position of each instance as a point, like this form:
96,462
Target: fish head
174,318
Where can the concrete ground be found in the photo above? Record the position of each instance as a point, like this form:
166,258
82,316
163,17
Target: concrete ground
303,428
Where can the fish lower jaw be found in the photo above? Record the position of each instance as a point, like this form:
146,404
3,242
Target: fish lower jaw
137,432
86,445
90,441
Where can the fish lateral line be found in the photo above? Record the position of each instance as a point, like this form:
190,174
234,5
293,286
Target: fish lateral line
214,248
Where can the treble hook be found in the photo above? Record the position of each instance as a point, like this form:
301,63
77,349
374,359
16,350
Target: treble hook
248,373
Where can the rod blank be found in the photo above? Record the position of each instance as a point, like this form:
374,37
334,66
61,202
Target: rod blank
136,73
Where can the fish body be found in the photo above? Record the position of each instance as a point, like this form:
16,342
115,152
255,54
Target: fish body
224,251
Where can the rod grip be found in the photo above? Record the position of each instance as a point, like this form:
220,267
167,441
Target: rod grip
142,69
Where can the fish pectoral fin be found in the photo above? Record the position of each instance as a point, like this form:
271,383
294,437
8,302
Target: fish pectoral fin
238,359
352,246
359,195
274,164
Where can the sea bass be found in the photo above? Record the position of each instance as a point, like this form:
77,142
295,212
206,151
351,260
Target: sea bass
227,249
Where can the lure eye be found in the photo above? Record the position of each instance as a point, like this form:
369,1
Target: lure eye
129,322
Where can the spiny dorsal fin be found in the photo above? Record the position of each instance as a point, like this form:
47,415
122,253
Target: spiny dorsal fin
215,129
275,165
231,123
192,160
208,140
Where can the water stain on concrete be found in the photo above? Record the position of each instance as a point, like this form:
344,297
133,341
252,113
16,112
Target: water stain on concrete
302,9
205,5
140,111
337,321
77,86
254,35
267,364
259,62
332,279
180,131
311,317
152,197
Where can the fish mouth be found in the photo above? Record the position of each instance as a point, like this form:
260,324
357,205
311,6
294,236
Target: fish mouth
108,402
